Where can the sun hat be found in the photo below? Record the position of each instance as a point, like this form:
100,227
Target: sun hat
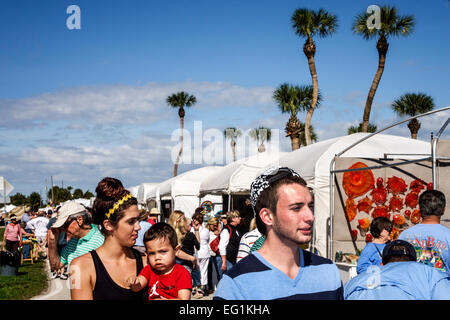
70,208
399,248
154,211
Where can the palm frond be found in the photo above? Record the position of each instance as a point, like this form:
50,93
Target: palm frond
412,104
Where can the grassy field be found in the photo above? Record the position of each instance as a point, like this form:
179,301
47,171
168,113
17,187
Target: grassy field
30,281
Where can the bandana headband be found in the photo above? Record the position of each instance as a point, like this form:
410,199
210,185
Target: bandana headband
264,180
118,204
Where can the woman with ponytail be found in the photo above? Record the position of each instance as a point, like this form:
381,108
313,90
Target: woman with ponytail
102,273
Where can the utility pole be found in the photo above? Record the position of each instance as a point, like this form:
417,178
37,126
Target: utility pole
53,197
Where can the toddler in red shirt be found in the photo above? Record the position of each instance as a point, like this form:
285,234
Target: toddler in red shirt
164,278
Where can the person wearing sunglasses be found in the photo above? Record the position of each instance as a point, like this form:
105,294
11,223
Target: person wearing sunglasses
281,269
371,255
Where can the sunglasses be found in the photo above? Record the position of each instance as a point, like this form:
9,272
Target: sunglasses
67,223
279,174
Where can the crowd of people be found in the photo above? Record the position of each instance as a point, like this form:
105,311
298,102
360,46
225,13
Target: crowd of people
114,251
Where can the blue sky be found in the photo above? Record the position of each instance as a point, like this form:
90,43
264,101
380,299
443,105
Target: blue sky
83,104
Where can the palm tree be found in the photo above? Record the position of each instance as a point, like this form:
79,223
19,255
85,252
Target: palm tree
391,24
413,104
292,99
354,129
180,100
307,24
302,136
261,134
232,134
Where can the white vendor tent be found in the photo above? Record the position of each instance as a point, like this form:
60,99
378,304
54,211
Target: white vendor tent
143,192
313,164
236,177
133,190
184,190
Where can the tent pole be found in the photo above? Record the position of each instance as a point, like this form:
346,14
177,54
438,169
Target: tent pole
330,226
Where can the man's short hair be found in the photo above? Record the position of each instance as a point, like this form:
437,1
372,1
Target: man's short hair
267,195
161,230
432,203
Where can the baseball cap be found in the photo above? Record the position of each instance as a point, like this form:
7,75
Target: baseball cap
70,208
399,248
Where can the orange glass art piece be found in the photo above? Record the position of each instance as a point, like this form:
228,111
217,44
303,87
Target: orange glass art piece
357,183
381,211
416,185
350,209
395,204
379,193
365,204
398,219
412,199
364,223
416,216
395,233
396,185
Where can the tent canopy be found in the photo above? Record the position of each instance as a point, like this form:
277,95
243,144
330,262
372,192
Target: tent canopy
187,183
313,164
144,190
237,176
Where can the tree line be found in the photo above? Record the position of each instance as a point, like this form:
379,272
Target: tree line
59,195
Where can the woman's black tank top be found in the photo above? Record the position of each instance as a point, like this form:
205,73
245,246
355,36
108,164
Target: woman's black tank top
106,289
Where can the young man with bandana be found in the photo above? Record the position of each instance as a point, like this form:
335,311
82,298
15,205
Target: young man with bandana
280,269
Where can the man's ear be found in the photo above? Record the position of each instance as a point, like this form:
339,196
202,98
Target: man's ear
266,216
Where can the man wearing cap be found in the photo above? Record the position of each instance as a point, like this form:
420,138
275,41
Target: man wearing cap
430,239
280,269
399,278
73,219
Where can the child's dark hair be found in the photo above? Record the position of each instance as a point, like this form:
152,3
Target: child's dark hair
161,230
379,224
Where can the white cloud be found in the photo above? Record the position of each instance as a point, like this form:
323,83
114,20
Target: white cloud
123,104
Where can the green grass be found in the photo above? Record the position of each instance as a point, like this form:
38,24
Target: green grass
30,281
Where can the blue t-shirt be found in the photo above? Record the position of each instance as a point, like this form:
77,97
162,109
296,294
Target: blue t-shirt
399,281
371,255
254,278
140,238
432,244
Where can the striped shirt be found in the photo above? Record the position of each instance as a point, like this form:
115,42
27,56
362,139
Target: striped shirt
246,243
77,247
254,278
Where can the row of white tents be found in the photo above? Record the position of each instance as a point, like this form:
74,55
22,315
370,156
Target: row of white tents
187,190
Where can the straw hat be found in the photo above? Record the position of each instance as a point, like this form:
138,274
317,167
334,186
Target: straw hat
154,211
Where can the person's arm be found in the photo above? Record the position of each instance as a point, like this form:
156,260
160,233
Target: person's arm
224,239
138,283
81,271
184,294
20,236
53,255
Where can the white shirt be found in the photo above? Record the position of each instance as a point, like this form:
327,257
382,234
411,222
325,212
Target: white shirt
224,239
203,252
39,226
